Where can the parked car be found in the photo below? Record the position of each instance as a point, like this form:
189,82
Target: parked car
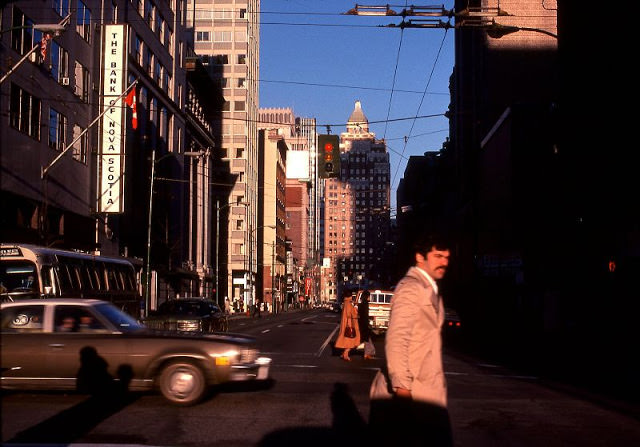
191,314
47,344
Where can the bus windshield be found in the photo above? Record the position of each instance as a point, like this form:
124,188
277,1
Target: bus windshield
19,278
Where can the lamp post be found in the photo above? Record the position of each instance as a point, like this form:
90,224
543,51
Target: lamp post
49,28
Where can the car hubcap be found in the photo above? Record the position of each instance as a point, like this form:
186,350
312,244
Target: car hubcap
182,382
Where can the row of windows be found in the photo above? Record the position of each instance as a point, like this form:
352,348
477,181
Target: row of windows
155,20
221,36
210,14
25,111
25,116
219,59
51,55
150,63
83,16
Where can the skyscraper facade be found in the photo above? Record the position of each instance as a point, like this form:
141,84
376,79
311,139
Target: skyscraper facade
227,35
356,211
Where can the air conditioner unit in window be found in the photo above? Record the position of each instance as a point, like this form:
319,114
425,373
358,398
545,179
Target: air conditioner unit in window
64,81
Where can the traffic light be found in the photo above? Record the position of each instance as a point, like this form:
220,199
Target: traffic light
328,156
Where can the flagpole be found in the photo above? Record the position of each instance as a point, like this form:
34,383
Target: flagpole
55,160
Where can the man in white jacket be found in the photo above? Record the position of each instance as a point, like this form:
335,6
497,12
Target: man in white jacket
413,348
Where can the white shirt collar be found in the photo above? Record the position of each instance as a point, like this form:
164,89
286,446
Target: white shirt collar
430,279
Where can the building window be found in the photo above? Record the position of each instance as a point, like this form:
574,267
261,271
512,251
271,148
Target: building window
59,62
222,36
148,12
241,82
81,144
82,77
22,39
203,36
24,112
242,59
238,106
220,59
61,7
239,152
57,128
83,21
238,249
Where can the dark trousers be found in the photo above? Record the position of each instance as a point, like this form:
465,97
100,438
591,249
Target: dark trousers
404,422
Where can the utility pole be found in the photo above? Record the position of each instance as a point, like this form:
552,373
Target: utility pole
273,278
147,278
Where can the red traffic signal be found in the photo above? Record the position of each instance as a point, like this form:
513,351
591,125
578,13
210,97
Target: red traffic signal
329,156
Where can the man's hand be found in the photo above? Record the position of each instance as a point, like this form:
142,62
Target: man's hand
403,392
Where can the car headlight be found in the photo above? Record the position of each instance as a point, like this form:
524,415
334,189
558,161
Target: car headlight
225,358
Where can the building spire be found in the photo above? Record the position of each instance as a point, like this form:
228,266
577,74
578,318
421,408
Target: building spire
358,122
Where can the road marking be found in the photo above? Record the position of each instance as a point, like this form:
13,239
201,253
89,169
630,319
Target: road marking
326,342
266,330
280,325
301,366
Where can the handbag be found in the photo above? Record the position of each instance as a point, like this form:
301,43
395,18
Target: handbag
350,332
380,388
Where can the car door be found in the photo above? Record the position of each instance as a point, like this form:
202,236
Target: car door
23,345
83,347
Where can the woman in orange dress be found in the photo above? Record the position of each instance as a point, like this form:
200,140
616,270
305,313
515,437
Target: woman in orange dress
349,319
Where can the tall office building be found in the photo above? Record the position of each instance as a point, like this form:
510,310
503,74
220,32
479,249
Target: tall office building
227,35
356,211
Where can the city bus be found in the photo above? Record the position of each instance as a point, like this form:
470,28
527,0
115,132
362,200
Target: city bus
379,309
31,271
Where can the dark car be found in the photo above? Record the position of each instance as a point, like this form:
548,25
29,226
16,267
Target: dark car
189,315
51,344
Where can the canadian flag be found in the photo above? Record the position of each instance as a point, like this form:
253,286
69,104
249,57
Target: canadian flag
130,100
44,42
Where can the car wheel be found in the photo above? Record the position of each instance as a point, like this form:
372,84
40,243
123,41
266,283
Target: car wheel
182,383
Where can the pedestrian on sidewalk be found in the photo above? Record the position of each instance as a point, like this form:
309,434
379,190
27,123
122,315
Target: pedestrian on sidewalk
349,335
412,396
363,324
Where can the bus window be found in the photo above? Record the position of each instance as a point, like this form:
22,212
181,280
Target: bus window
98,272
112,279
63,279
47,280
87,280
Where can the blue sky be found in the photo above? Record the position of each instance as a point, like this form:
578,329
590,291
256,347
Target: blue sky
319,62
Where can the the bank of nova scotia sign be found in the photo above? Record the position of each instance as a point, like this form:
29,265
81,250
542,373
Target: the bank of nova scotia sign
112,130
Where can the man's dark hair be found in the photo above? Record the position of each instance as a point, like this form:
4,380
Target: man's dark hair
430,241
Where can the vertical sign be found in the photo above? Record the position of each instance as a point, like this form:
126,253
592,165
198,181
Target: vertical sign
111,157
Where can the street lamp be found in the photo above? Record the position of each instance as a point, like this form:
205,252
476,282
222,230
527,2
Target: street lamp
54,29
218,208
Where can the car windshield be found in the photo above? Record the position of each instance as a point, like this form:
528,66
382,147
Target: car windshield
177,307
124,322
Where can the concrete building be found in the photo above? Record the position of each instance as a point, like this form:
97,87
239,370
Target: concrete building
356,212
227,35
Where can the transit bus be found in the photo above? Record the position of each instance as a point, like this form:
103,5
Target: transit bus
379,309
31,271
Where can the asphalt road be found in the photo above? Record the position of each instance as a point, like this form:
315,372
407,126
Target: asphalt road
314,399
